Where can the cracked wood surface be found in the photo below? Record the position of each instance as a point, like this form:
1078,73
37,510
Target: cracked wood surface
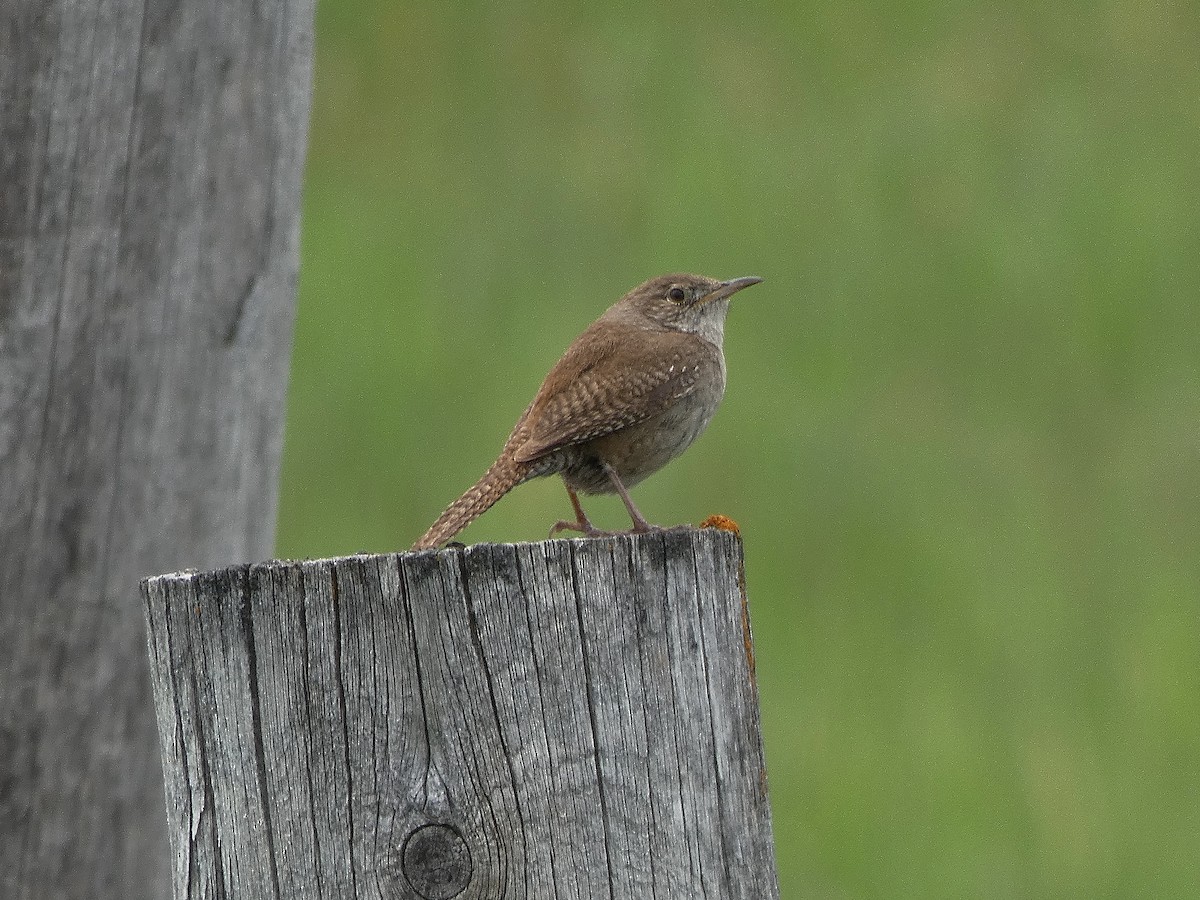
150,161
570,719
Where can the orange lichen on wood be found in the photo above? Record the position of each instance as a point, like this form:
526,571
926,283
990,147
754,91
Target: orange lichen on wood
747,639
723,522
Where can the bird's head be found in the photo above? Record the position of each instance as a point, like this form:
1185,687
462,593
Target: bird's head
682,302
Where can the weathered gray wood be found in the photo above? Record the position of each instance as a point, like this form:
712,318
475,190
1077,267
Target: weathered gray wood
570,719
150,159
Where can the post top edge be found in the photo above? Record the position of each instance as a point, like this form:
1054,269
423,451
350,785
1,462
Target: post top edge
626,538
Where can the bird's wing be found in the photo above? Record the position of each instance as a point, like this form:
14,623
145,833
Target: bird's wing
603,385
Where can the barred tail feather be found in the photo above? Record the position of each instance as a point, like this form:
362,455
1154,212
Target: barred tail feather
504,475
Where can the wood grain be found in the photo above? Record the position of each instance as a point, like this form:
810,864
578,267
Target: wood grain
150,161
569,719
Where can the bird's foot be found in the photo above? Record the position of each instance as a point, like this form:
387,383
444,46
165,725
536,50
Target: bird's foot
586,528
641,526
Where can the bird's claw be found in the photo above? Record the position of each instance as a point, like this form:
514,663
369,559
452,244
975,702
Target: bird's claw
587,529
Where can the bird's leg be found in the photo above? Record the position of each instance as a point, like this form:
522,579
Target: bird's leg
639,522
581,524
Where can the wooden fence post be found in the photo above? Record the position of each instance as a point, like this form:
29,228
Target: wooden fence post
150,163
570,719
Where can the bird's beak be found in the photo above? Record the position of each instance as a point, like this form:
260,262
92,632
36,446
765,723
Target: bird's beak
727,289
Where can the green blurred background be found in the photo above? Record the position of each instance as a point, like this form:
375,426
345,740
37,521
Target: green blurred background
962,429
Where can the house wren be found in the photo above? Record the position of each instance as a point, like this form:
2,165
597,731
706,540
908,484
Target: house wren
629,395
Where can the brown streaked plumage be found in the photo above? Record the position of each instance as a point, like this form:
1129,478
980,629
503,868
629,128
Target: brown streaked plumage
629,395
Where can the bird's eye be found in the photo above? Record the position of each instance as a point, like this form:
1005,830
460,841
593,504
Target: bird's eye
677,294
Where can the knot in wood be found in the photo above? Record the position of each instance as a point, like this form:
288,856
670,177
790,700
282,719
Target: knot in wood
437,862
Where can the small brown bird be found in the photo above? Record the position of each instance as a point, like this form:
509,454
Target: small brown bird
630,394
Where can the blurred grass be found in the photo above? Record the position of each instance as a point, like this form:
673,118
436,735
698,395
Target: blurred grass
962,430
